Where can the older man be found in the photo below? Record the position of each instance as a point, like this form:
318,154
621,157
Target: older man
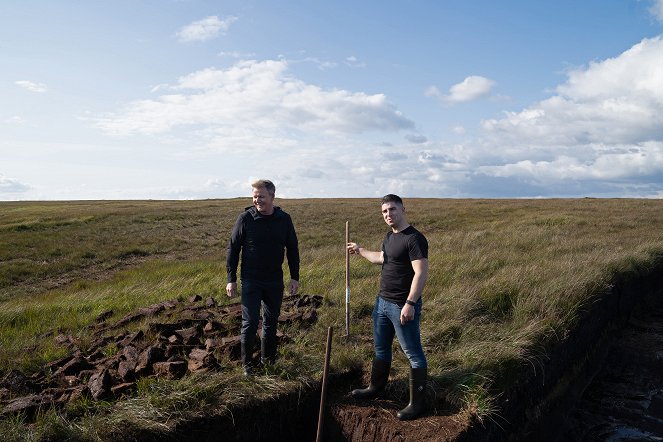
262,233
397,311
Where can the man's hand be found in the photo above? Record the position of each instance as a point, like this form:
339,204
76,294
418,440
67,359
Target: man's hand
407,313
353,248
293,287
231,289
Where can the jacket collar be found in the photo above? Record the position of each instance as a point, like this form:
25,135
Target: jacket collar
257,215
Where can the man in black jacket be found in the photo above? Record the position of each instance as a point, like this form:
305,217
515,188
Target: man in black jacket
262,233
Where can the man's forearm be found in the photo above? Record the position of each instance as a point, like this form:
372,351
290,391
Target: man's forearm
231,267
419,280
417,287
374,257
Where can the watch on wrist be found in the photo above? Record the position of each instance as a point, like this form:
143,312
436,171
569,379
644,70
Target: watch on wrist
407,301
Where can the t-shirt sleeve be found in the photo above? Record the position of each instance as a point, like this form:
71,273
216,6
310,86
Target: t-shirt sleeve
418,247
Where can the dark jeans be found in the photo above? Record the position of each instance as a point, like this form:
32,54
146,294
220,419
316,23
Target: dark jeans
387,323
269,295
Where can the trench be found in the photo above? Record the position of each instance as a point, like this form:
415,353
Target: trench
289,417
624,401
560,402
604,381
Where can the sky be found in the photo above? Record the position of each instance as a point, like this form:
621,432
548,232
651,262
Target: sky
195,99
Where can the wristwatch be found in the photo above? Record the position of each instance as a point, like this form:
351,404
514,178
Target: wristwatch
407,301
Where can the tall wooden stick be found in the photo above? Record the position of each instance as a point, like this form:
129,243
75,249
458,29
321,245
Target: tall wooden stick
323,393
347,279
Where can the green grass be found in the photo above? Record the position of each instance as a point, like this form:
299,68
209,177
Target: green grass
70,309
508,279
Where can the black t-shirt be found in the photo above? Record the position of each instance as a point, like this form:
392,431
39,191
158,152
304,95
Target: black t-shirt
400,249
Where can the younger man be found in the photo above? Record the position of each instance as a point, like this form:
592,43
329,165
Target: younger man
397,311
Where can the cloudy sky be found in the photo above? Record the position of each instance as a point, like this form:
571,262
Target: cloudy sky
175,99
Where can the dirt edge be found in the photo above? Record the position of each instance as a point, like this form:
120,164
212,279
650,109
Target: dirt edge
535,407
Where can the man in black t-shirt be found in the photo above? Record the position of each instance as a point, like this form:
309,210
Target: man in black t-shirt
397,311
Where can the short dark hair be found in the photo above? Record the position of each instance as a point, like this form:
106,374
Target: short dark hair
266,184
391,198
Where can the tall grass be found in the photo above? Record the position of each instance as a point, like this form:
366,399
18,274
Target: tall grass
69,310
508,279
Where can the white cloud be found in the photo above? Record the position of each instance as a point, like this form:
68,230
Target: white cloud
416,138
31,86
15,120
637,161
321,64
470,89
205,29
599,134
257,105
237,54
616,101
308,172
458,129
432,91
354,62
604,126
656,10
394,156
11,186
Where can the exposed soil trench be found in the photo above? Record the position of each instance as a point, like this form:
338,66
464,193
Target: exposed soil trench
625,399
614,355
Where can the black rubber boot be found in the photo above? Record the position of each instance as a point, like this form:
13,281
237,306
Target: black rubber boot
268,351
379,378
417,403
247,357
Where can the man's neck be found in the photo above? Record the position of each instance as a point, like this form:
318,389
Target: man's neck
400,228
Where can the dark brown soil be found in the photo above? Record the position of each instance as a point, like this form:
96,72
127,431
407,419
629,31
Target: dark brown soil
625,399
377,421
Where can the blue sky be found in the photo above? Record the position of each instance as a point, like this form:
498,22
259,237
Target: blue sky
181,99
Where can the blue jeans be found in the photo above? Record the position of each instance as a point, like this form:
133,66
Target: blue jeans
387,323
255,294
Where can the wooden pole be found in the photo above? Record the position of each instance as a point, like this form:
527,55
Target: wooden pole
323,393
347,279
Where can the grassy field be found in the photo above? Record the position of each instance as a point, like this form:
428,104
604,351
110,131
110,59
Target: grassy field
508,279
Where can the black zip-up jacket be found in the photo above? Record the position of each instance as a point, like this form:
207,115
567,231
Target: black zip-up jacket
262,240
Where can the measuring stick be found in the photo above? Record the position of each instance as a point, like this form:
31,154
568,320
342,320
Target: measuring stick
323,393
347,279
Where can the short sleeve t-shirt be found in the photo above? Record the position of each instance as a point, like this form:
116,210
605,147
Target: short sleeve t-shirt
400,249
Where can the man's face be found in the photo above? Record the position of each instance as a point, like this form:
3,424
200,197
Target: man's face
393,214
263,201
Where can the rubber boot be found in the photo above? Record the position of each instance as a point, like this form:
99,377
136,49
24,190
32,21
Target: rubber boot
417,403
247,356
268,350
379,378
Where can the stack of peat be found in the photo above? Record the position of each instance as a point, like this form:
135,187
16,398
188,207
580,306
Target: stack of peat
180,338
